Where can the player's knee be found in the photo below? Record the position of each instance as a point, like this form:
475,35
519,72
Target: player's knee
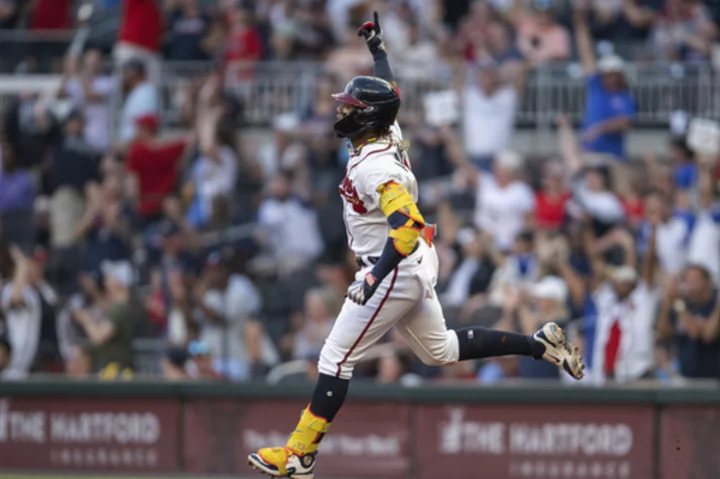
443,352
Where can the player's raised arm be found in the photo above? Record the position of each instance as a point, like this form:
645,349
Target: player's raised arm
407,225
373,37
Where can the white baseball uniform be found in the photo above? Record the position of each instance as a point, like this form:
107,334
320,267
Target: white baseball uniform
406,298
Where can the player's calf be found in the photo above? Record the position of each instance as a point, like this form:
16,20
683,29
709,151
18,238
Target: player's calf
550,344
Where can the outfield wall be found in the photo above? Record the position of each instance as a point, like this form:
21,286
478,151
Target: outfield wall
526,432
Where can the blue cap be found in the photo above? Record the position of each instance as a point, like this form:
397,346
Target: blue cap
198,348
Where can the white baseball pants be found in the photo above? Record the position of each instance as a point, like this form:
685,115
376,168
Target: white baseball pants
405,299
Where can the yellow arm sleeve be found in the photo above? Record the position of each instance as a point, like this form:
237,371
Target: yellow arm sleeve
403,215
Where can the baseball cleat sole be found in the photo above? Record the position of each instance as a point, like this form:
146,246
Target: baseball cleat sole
559,351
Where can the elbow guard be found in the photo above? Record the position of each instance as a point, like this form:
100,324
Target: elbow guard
403,215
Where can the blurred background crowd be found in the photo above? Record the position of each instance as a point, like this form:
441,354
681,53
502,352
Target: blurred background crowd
168,200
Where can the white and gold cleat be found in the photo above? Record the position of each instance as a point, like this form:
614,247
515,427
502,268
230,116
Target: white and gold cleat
559,351
282,462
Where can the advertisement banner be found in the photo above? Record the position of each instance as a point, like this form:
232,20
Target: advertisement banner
690,443
534,442
366,441
138,435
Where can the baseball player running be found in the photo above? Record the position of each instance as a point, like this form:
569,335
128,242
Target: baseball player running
399,268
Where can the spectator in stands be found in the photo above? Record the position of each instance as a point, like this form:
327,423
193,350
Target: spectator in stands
282,152
174,363
202,364
552,198
32,128
704,241
682,158
48,358
498,370
684,31
474,30
90,298
672,233
91,92
9,14
154,166
28,304
504,203
521,267
624,22
609,107
215,171
244,43
471,278
626,305
140,37
502,51
317,38
78,363
180,325
694,321
282,217
592,197
51,15
17,198
349,60
395,368
489,108
321,308
111,337
547,302
141,100
105,225
75,164
5,353
540,38
227,303
188,26
413,58
433,152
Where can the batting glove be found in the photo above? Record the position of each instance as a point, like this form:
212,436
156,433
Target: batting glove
373,35
360,292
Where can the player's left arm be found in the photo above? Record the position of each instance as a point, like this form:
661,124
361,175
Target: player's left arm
373,37
406,227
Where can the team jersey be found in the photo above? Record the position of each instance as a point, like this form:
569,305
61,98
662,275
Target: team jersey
369,167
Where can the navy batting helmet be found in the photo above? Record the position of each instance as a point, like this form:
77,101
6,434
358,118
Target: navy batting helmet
376,104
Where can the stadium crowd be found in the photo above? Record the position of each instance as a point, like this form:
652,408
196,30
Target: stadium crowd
230,253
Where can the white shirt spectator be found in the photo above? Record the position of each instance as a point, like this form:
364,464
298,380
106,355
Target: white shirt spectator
97,114
602,205
670,242
213,178
23,328
142,100
636,316
293,230
502,211
236,304
488,121
704,244
413,60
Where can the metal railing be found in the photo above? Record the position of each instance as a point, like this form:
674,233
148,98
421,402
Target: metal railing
270,88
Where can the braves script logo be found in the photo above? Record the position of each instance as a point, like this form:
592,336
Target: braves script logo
348,191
